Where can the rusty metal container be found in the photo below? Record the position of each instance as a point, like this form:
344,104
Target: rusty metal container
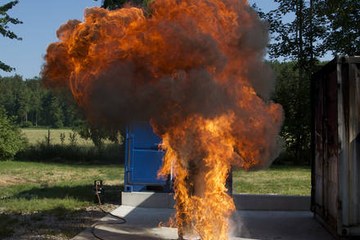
335,197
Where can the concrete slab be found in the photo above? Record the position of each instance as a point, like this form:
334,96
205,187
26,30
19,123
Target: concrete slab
143,223
242,201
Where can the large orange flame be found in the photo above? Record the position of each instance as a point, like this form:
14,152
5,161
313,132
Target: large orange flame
200,152
195,68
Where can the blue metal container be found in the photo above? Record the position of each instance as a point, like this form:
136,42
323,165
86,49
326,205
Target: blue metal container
143,159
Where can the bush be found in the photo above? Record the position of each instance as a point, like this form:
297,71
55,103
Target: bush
11,139
109,153
26,124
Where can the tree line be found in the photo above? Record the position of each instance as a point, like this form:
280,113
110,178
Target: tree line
32,105
27,103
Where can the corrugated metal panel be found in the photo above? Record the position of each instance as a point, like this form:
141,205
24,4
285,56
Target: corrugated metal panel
350,71
326,159
336,149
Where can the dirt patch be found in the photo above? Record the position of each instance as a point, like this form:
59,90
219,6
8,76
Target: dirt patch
7,180
55,225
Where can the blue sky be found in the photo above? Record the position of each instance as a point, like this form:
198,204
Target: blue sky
41,19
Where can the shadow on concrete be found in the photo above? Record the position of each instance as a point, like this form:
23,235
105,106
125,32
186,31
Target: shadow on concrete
133,232
298,225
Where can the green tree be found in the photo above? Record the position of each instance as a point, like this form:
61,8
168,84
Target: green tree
10,92
23,104
16,98
30,104
342,20
5,20
7,95
318,27
298,41
114,4
295,99
52,114
11,140
301,39
36,95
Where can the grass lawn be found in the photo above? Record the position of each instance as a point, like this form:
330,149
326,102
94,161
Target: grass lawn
26,187
34,196
38,135
286,180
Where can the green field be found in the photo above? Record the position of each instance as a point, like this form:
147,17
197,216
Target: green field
286,180
39,135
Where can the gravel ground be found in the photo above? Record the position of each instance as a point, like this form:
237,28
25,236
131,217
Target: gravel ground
57,226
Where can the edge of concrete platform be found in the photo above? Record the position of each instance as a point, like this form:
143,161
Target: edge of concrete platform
147,199
272,202
242,201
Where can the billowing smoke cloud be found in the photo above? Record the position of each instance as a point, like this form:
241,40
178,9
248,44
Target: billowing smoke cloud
187,57
196,70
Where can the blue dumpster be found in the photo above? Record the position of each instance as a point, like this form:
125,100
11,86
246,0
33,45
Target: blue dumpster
143,159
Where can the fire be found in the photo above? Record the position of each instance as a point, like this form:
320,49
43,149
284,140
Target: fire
195,68
200,153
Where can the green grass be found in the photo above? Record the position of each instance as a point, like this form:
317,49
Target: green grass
32,186
28,187
286,180
39,135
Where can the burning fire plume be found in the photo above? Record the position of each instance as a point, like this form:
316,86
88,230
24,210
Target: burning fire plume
195,68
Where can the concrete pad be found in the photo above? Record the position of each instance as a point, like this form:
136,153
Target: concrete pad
242,201
143,223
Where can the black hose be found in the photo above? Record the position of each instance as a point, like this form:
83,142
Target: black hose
93,228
